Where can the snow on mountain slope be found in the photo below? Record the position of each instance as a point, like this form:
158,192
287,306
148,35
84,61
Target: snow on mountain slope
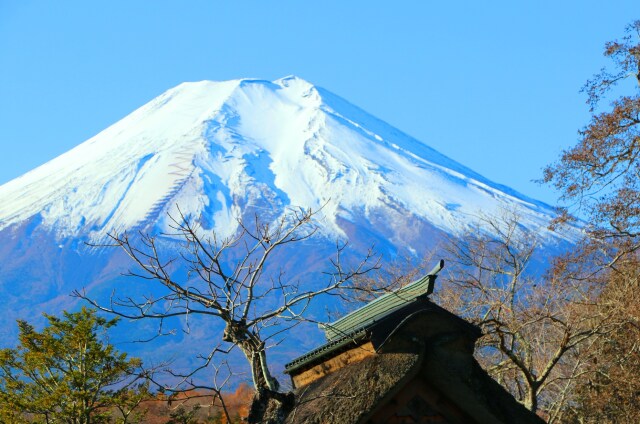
218,148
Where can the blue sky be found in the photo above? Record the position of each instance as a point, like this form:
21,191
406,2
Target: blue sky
494,85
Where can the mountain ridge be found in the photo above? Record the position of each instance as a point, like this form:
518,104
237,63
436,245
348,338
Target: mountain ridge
220,151
214,147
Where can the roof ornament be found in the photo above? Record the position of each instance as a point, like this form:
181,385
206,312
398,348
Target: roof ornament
433,274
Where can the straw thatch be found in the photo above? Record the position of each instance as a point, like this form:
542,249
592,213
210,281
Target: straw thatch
352,393
422,352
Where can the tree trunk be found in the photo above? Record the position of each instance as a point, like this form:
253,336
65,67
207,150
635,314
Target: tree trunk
268,405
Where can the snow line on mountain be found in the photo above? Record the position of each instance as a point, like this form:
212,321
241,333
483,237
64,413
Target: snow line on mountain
214,148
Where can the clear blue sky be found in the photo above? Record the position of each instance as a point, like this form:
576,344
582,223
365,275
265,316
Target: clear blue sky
494,85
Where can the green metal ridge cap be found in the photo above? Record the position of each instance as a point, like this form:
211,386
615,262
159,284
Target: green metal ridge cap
381,306
396,293
379,327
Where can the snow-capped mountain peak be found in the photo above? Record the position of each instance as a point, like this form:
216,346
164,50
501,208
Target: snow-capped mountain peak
216,148
222,150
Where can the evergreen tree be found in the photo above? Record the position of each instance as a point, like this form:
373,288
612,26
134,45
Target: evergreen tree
67,373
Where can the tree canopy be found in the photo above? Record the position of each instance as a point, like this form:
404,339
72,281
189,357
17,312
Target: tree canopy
68,372
600,175
600,178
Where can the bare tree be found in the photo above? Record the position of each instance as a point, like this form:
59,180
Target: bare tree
229,281
539,321
533,321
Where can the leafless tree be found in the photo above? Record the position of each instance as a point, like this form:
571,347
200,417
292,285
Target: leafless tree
539,327
229,281
534,322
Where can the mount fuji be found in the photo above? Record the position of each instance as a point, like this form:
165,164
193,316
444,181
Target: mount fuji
222,150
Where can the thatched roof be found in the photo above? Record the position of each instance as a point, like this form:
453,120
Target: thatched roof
349,395
400,357
420,344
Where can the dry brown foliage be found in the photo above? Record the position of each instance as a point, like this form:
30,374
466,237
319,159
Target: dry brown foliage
600,175
200,406
600,178
610,389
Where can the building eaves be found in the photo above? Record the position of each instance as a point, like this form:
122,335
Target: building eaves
333,347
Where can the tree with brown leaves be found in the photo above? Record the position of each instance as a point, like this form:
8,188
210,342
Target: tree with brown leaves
600,176
610,387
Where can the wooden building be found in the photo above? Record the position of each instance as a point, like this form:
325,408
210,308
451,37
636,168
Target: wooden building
399,359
